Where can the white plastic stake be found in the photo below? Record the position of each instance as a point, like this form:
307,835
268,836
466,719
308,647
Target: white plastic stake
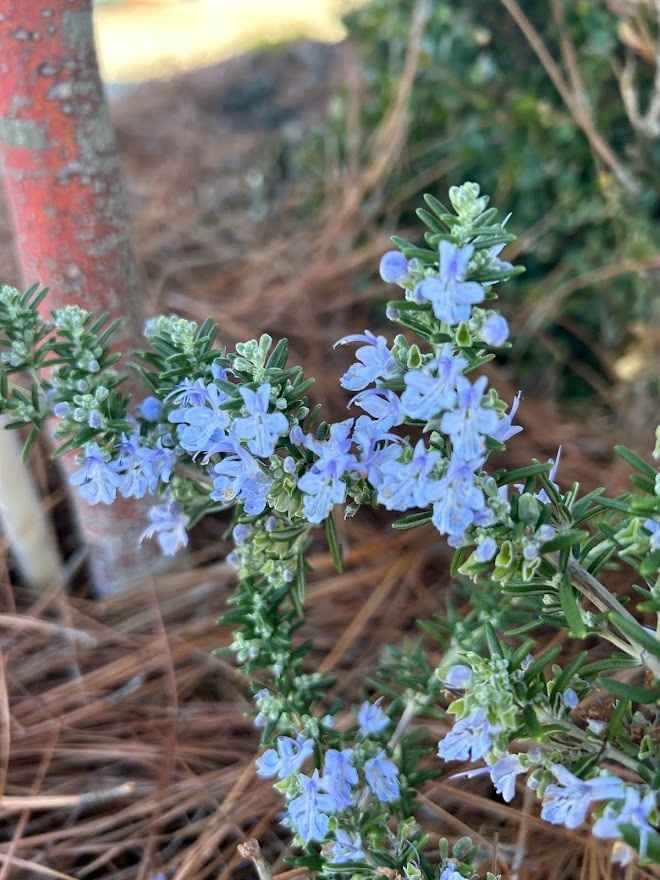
24,524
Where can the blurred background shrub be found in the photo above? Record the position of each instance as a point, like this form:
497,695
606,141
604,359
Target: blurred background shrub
552,111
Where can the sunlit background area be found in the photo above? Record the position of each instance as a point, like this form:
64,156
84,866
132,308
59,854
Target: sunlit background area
143,39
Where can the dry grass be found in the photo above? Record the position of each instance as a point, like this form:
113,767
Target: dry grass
124,749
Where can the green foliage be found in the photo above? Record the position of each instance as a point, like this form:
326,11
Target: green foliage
484,108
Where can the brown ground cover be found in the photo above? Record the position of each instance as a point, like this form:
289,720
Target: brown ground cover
124,750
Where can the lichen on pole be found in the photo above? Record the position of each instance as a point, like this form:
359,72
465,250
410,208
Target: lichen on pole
64,186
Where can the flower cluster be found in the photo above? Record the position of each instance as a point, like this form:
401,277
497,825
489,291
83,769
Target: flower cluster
234,431
330,802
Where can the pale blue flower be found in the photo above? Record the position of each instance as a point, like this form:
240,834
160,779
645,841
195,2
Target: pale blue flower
188,393
261,718
375,361
459,676
322,484
339,775
432,390
62,410
495,330
460,498
132,457
596,726
382,404
373,453
344,848
168,524
469,739
260,428
382,777
449,294
288,758
201,424
405,484
449,873
240,477
393,267
151,409
159,464
504,428
567,803
241,532
634,811
371,718
144,468
470,423
486,550
307,814
504,773
98,479
296,435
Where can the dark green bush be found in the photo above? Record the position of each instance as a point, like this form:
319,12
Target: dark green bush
483,105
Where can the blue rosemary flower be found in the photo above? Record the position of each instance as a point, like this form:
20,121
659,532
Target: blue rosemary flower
151,409
98,479
188,393
159,464
449,873
449,293
288,758
375,361
143,468
201,424
240,477
495,330
383,406
460,499
405,484
567,803
495,264
393,267
132,458
503,774
339,775
373,455
486,550
458,676
505,429
469,739
542,495
371,718
344,848
470,423
322,484
653,528
432,390
382,777
168,524
260,428
635,810
307,814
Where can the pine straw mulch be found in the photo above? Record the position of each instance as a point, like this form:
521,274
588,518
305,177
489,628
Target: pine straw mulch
124,747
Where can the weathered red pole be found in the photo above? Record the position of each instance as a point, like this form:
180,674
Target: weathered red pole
63,180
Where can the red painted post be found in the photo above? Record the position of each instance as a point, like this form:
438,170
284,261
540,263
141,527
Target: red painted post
61,170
